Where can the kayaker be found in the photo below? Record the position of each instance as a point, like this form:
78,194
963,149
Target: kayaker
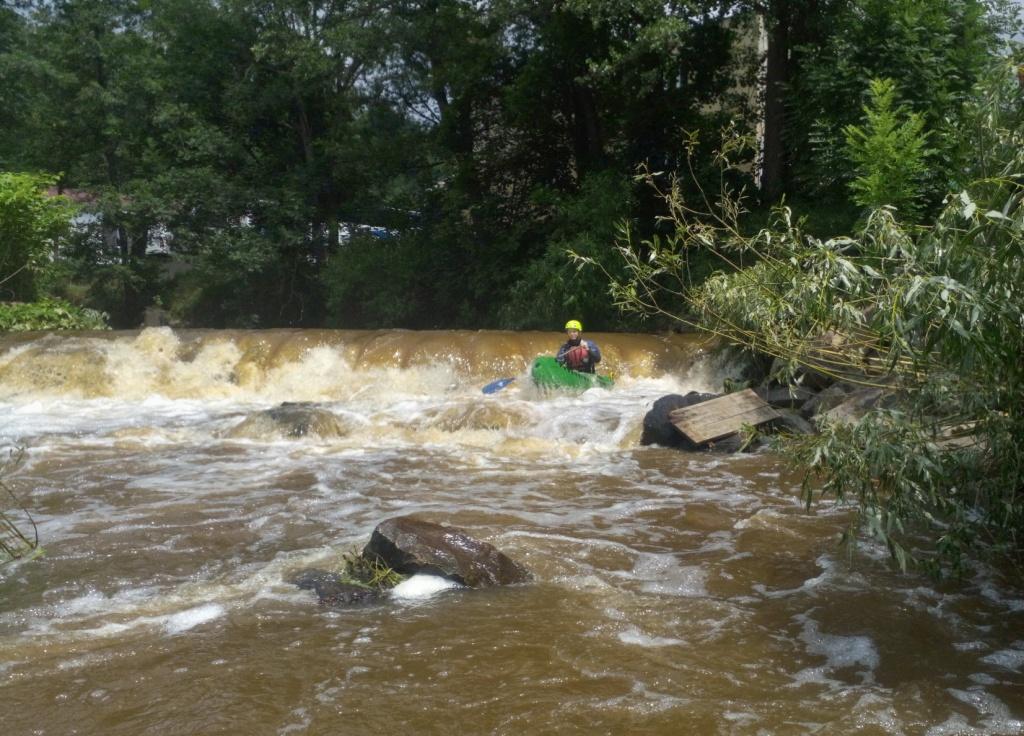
578,354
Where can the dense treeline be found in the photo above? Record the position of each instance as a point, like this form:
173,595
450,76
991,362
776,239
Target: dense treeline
428,163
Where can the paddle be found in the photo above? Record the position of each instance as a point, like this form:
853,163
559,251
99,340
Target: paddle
495,386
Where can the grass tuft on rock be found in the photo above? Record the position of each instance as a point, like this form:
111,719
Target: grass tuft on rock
368,573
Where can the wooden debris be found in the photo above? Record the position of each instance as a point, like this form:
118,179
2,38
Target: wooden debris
721,417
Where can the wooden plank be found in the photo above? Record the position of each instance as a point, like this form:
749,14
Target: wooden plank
717,418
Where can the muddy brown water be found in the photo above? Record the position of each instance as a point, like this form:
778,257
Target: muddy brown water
675,593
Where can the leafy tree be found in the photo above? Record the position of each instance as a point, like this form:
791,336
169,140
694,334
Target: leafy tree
254,130
559,98
934,52
551,287
888,153
30,223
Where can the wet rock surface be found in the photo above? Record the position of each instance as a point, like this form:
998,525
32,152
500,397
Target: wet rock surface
659,430
291,420
789,422
333,590
785,397
408,545
856,404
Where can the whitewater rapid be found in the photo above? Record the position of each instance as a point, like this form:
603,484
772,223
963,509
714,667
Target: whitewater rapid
674,591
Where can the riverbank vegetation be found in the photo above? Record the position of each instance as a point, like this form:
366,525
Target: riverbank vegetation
19,536
428,163
928,310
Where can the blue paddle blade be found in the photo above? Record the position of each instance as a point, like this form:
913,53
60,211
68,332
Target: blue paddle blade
495,386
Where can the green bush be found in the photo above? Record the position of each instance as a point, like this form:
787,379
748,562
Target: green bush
373,283
49,314
30,221
889,153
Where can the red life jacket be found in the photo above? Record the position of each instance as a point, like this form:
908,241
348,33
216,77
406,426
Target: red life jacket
577,357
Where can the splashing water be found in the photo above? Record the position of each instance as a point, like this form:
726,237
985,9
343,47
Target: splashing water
175,497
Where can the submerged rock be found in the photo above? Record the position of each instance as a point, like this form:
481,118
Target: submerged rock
789,422
479,416
290,419
333,590
410,546
827,399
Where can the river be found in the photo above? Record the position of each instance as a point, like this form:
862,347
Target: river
675,593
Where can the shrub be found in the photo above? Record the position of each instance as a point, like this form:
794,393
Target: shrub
30,221
888,153
49,314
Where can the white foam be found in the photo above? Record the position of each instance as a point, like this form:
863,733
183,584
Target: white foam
996,718
1011,659
841,651
185,620
302,721
981,678
663,574
633,635
990,591
955,725
969,646
419,587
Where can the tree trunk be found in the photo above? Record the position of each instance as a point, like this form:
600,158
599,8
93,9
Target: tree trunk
777,68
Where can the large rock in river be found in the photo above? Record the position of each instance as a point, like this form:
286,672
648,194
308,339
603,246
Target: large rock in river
659,430
409,546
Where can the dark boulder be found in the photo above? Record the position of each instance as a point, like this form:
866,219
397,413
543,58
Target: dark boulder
338,593
659,430
859,402
333,590
307,579
789,422
411,546
830,398
290,420
785,397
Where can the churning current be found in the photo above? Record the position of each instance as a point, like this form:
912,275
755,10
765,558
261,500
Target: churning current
674,593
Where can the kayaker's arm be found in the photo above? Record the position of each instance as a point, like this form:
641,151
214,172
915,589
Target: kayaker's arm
595,352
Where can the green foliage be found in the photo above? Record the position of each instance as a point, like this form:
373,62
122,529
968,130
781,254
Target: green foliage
551,286
482,132
929,315
30,223
374,283
934,52
888,153
49,314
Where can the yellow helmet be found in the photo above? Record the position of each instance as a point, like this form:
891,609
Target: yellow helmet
574,324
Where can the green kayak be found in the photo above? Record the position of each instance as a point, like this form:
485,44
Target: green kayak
548,373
